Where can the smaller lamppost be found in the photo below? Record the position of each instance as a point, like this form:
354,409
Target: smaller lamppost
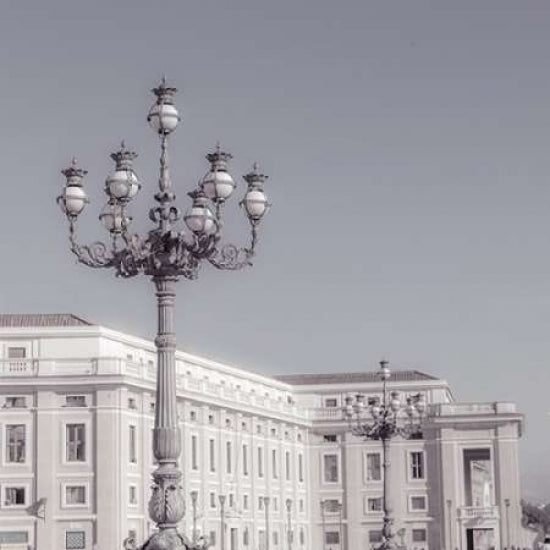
383,420
507,504
289,520
222,521
197,542
266,509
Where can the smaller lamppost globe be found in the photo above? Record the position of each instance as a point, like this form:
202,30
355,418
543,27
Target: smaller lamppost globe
199,218
122,184
384,370
163,116
73,198
217,184
255,201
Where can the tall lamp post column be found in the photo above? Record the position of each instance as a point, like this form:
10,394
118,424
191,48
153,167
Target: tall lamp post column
383,420
165,255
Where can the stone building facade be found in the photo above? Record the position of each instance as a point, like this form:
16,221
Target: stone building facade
76,416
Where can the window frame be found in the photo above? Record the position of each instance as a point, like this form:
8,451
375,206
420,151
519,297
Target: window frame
194,450
418,529
366,477
66,485
133,444
15,398
135,503
324,479
410,503
64,441
410,477
12,485
368,511
26,444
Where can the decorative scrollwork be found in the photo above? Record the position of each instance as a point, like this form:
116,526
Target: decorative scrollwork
231,257
93,255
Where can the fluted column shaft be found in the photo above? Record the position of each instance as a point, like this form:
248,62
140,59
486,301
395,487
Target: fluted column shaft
166,506
388,510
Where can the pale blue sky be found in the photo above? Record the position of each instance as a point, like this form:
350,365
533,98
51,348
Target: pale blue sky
407,145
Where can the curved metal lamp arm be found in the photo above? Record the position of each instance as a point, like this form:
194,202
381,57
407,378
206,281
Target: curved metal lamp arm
93,255
230,257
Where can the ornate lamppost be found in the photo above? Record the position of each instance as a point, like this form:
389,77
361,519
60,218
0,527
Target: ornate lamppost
383,420
165,254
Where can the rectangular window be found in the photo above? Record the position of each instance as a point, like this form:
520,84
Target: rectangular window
132,444
287,466
274,463
330,438
260,503
132,494
300,468
14,496
374,472
15,443
245,460
245,502
17,353
132,403
75,401
18,402
75,495
260,462
331,402
228,457
301,505
374,504
75,540
194,453
231,500
330,468
419,535
417,465
275,538
212,454
14,537
76,443
212,500
332,537
418,503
